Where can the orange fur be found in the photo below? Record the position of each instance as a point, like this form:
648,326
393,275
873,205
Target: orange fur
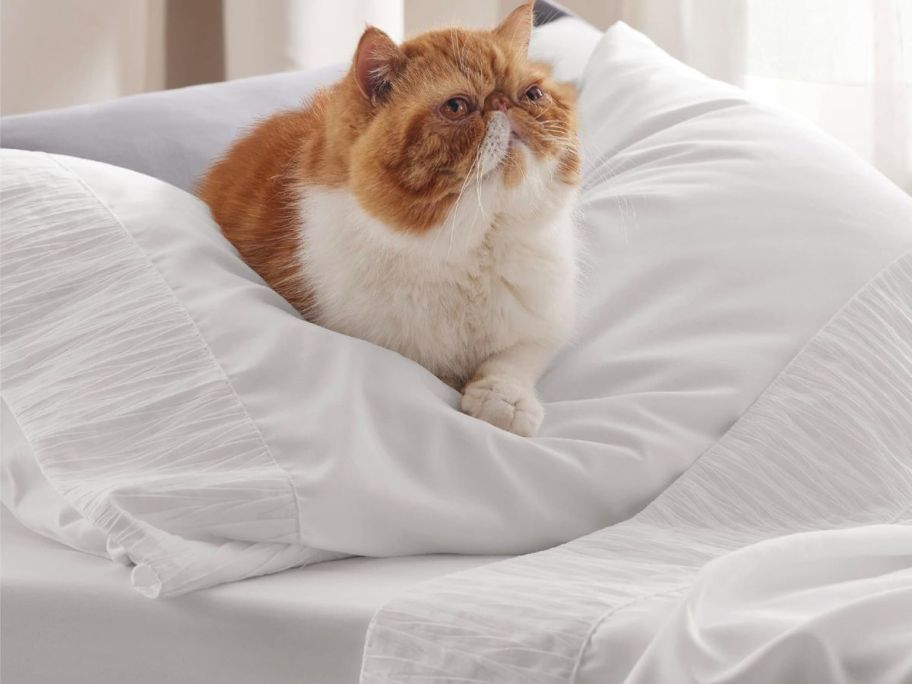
381,133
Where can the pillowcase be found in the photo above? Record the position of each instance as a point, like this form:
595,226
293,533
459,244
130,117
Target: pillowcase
183,408
36,504
722,234
565,45
173,135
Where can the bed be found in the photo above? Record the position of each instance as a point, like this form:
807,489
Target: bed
72,617
722,489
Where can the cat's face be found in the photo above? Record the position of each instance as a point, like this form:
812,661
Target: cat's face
454,112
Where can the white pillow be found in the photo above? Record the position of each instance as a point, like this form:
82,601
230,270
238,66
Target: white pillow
184,409
36,504
722,234
565,45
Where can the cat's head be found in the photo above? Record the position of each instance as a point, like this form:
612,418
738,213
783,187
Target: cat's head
456,114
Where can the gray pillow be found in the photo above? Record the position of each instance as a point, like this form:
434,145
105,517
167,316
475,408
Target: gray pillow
172,135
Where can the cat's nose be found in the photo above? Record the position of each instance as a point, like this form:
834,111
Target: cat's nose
498,101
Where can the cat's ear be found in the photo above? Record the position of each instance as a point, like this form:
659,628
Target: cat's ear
377,61
516,29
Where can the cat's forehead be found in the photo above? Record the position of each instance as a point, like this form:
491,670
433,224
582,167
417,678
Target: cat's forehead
477,57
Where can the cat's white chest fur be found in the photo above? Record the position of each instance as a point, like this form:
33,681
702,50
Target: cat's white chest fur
484,281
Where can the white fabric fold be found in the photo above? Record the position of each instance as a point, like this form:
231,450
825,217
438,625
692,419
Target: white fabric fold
129,415
827,446
829,607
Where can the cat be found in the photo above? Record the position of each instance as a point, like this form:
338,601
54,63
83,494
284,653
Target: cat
423,203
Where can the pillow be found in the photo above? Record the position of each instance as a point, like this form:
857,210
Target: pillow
36,504
186,411
173,134
564,44
722,235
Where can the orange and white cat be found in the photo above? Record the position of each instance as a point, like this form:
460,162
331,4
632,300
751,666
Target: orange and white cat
423,203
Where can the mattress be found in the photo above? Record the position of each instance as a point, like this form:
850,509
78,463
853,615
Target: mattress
71,617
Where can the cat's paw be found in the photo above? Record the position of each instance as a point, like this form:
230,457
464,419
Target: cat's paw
504,403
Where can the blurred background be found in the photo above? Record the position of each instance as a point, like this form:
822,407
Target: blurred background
845,64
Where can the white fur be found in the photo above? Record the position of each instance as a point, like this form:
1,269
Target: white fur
489,293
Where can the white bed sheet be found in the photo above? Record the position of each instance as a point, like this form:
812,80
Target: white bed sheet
71,617
784,554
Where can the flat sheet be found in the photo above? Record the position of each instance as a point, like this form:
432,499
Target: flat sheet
68,617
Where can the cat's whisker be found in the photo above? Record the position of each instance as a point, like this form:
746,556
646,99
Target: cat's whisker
454,211
598,172
451,219
478,177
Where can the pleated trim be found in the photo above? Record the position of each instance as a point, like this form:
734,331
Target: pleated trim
828,445
129,415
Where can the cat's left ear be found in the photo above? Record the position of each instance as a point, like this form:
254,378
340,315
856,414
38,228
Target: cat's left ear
377,61
516,29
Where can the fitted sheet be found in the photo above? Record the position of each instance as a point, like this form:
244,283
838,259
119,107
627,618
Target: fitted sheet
71,617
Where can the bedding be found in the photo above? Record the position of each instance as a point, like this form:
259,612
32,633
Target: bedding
192,126
71,618
736,410
36,504
827,606
172,134
721,236
564,44
783,554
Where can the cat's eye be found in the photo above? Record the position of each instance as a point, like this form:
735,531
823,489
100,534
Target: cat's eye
455,108
534,93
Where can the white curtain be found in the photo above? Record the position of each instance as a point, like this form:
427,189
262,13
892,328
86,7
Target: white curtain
55,53
844,64
278,35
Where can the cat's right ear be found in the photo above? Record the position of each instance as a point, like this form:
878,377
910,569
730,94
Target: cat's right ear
377,61
516,29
